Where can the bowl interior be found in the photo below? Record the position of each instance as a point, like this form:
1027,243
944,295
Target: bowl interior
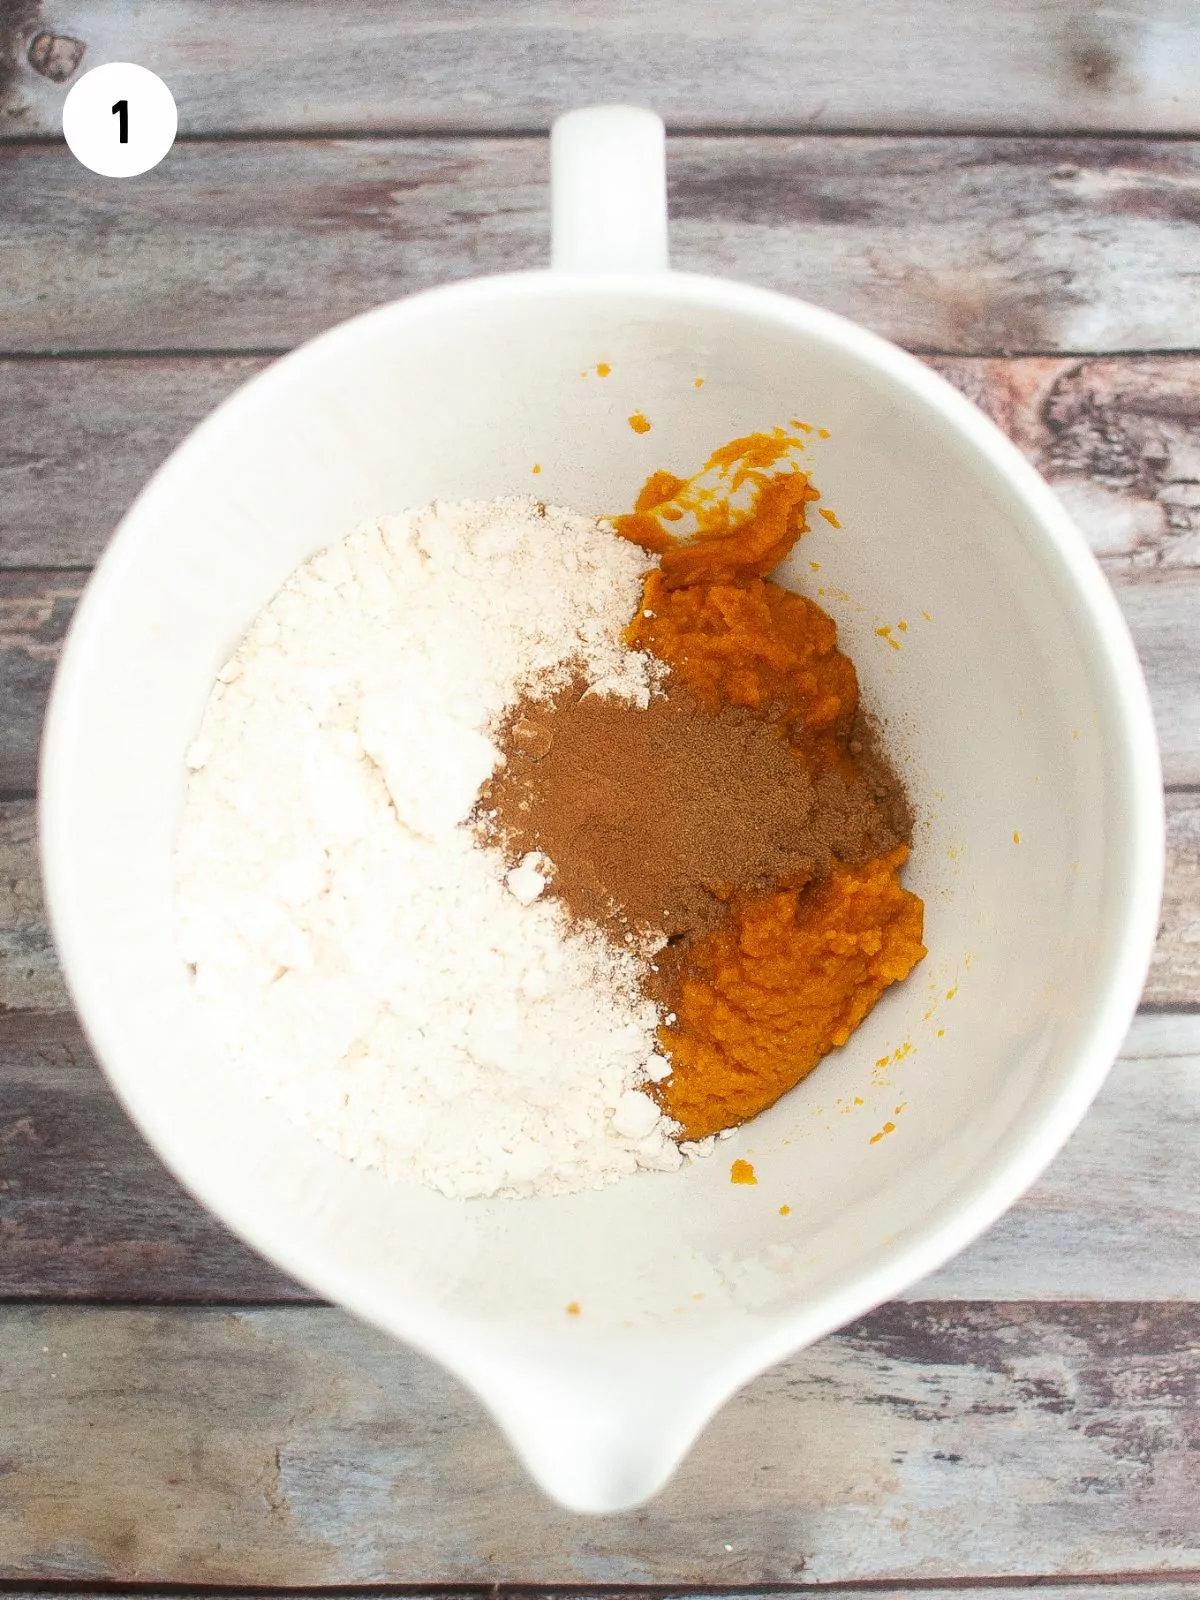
1005,712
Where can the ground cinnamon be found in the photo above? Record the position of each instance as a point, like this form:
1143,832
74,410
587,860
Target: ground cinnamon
654,818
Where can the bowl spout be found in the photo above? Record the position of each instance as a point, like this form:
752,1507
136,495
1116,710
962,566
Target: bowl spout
597,1441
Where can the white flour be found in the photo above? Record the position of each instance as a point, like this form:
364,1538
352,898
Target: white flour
358,950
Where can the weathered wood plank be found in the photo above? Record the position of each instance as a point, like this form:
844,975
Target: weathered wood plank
29,976
1175,972
1119,438
82,437
895,65
294,1447
1179,1586
34,615
959,245
1162,617
87,1211
35,609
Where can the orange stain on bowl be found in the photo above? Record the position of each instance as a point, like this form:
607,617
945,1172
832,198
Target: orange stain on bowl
639,423
742,1172
602,369
573,1308
830,517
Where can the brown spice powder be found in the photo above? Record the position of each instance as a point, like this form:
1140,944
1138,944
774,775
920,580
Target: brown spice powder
654,817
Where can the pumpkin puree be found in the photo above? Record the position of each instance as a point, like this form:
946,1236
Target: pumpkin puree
787,977
756,645
792,974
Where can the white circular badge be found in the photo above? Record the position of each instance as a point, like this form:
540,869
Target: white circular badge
120,119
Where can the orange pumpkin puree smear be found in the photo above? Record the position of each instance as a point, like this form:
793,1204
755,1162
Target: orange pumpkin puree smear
787,977
786,980
757,645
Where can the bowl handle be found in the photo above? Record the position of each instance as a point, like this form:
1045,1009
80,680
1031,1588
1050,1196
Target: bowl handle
608,188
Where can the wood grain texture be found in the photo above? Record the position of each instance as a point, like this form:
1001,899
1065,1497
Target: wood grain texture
82,437
35,609
890,64
29,976
34,615
1175,972
1119,438
293,1446
970,246
1162,617
1178,1586
87,1211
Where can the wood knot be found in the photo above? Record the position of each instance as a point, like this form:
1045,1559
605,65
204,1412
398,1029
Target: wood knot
55,55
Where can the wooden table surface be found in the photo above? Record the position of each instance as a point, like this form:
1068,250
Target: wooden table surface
1012,190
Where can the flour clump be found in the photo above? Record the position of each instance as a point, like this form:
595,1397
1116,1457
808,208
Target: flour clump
386,977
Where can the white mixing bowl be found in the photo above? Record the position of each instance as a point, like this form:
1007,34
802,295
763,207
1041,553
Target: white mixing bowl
1017,712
